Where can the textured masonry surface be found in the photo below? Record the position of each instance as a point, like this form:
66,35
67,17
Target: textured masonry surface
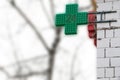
108,42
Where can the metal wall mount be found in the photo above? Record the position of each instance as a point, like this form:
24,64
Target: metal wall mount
101,16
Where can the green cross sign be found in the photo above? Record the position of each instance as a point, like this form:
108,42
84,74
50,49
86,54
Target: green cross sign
71,19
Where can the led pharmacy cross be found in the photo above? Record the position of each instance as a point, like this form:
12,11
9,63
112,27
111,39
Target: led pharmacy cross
72,18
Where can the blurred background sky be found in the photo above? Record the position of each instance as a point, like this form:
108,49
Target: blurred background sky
22,53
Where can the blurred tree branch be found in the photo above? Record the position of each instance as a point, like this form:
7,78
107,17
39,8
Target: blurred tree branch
30,74
4,71
46,13
30,23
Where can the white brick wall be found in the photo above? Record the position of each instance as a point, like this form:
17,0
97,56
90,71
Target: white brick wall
100,34
100,1
100,53
108,43
109,72
109,33
100,72
115,78
117,32
113,52
103,43
116,5
115,62
117,72
103,78
115,42
106,6
103,62
103,25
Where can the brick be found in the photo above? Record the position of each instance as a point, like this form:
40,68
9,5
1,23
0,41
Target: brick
103,62
113,52
115,78
103,79
103,43
109,72
109,33
104,6
103,25
100,72
115,62
117,72
116,5
118,11
99,17
100,34
117,33
115,42
112,16
109,0
100,53
116,24
99,1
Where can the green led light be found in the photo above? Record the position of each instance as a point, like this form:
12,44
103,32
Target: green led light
71,19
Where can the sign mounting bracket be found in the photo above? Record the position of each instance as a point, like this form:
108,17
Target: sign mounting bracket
101,16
